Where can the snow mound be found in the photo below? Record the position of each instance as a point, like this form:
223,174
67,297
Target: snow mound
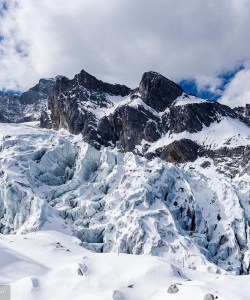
46,265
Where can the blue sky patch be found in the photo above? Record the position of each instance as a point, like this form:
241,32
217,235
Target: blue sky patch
189,86
11,92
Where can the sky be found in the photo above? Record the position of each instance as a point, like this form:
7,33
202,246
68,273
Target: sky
202,45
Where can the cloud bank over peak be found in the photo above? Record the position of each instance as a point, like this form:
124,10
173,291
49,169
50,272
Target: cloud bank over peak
117,41
237,91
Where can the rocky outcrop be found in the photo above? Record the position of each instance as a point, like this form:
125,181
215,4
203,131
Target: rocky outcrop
157,91
45,120
131,125
39,92
27,106
76,105
209,297
229,161
244,111
192,117
180,151
10,108
173,289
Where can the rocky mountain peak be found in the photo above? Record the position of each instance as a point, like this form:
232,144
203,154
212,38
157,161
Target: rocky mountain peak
27,106
92,83
156,119
38,92
157,91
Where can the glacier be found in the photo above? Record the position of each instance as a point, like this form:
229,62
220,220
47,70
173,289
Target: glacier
123,203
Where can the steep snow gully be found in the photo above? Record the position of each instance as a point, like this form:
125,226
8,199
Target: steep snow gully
123,203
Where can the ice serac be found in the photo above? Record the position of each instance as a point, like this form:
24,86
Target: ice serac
121,202
27,106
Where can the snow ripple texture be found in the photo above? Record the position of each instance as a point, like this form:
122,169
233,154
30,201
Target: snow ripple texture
116,202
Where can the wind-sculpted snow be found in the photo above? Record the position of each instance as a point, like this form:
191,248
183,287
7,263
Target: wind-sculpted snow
115,202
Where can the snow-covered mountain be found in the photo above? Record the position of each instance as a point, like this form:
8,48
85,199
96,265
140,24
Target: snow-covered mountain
151,171
157,119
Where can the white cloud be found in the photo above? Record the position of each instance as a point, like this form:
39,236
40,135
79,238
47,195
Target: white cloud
118,40
237,92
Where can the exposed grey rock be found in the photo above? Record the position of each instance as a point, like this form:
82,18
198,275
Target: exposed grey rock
73,104
192,117
209,297
157,91
244,111
206,164
39,92
173,289
45,120
76,104
131,125
28,106
180,151
79,271
35,282
230,161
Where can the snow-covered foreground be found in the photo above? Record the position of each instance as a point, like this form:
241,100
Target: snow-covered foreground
45,265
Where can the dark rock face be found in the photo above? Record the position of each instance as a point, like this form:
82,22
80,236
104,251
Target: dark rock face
158,92
45,120
180,151
243,113
10,108
192,117
229,161
74,105
28,106
39,92
131,125
91,83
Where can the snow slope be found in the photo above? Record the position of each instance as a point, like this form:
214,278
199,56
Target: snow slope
187,99
44,265
228,133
